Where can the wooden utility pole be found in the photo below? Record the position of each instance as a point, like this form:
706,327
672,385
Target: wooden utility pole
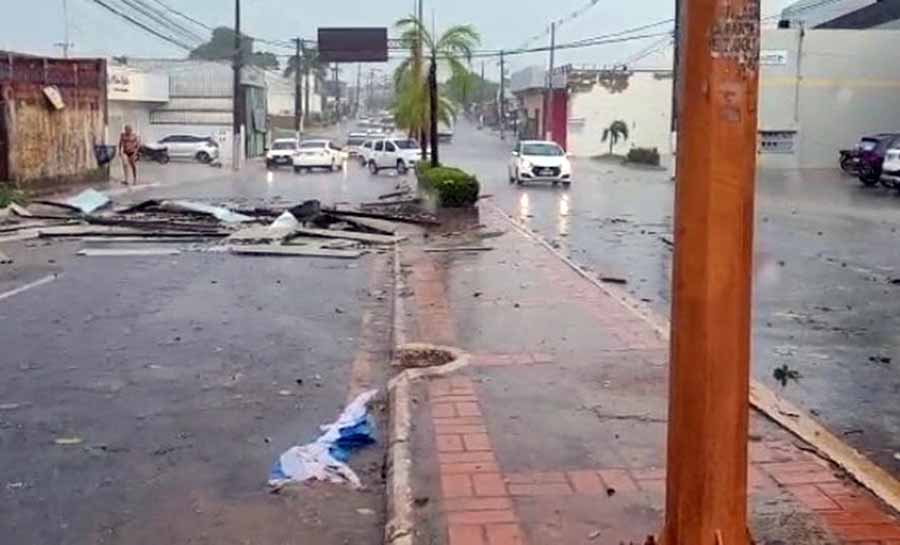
298,88
548,100
502,97
706,489
238,102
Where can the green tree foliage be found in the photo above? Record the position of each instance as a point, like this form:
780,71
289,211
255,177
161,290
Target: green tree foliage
468,88
452,49
221,47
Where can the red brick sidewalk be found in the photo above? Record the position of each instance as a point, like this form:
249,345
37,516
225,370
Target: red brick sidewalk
556,433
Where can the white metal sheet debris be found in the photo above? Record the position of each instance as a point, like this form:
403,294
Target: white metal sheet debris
222,214
293,251
127,252
89,201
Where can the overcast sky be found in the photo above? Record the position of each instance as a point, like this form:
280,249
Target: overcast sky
33,26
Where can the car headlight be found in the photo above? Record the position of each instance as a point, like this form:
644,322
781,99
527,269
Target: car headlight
567,167
526,165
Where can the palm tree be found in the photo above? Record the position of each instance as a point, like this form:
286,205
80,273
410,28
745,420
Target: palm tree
419,104
615,131
309,64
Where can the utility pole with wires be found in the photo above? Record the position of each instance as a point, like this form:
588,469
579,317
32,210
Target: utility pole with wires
548,94
337,94
298,89
709,380
66,43
358,89
238,106
502,97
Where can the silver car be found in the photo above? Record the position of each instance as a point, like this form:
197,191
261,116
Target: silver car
201,148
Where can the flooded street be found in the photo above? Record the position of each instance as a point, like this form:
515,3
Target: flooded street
826,256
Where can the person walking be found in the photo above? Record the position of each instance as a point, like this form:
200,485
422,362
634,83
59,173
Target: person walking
129,144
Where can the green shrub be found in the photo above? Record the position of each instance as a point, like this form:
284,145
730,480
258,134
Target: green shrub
9,195
644,156
455,188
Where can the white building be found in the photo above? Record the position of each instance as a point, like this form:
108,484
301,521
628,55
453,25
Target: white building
281,93
132,95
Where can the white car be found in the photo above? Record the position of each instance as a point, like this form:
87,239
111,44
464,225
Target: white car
202,148
539,161
890,170
365,152
355,140
282,152
401,154
318,154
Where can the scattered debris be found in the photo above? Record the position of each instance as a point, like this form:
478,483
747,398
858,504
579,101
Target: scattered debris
459,249
326,458
366,512
594,535
610,491
880,359
419,220
349,235
68,441
89,201
405,191
784,374
14,486
222,214
668,241
390,203
294,251
5,259
9,406
127,252
20,211
613,280
307,210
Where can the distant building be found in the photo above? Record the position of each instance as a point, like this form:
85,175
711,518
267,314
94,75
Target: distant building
132,95
200,101
52,117
842,14
281,92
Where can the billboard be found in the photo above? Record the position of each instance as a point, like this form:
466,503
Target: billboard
353,44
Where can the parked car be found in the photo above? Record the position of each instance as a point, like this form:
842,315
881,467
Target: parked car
539,161
445,133
871,156
202,148
890,169
282,152
318,154
355,140
401,154
365,152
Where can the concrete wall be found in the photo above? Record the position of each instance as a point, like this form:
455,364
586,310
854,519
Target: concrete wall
644,105
834,86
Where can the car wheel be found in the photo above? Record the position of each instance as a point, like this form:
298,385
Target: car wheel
333,166
567,184
518,179
163,159
203,157
297,169
373,168
868,176
401,167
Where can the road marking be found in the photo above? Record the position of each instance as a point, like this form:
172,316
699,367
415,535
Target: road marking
40,282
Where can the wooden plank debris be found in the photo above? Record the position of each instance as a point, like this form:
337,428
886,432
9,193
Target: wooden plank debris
128,252
294,251
459,249
390,203
350,235
378,226
389,217
142,239
20,211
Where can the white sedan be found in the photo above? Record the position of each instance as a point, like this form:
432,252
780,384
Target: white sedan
539,161
318,154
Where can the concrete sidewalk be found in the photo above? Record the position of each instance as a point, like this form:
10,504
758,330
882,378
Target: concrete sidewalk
556,432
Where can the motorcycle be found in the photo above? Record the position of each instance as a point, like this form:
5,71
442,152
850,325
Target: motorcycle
159,154
849,160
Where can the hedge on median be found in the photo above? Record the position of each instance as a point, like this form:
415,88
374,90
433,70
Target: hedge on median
453,187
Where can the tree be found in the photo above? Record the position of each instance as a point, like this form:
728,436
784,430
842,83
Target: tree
419,103
616,130
221,47
468,88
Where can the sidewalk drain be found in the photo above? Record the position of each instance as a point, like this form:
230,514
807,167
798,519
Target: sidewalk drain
417,356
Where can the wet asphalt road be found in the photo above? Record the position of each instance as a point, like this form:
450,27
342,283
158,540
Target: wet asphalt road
183,378
827,249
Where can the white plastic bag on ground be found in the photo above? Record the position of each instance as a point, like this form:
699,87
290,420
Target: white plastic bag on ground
326,458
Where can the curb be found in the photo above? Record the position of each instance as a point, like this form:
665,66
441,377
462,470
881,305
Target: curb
400,526
762,398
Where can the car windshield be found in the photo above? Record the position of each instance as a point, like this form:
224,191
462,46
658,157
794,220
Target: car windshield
313,144
868,144
407,144
542,150
283,145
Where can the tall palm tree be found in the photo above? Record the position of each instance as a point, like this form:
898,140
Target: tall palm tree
310,63
617,130
419,105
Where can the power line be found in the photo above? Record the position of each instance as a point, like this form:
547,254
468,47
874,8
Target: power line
161,19
143,26
183,15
